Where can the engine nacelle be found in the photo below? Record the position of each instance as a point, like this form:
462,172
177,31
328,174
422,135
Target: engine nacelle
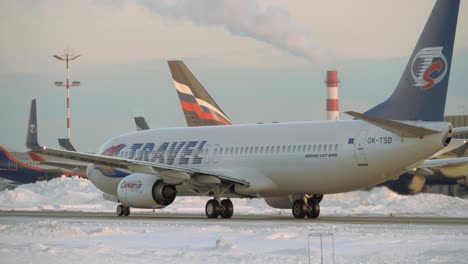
282,202
141,190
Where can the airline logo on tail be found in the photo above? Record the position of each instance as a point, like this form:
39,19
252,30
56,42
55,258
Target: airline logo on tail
429,67
203,109
32,129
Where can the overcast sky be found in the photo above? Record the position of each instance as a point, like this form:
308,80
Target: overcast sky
261,60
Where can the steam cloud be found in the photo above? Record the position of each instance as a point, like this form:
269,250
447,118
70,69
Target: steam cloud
241,18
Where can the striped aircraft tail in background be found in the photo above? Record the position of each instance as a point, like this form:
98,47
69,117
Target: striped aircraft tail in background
200,109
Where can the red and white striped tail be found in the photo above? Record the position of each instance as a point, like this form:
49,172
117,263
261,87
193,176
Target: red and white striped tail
332,95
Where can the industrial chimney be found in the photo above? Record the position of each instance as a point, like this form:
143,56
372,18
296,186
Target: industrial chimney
332,95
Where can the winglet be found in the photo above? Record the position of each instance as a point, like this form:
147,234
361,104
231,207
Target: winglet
31,135
141,124
66,144
400,129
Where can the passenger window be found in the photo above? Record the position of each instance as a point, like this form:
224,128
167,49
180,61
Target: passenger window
289,148
330,147
231,150
241,150
261,149
221,151
319,148
284,148
256,149
309,147
237,150
336,147
278,149
267,149
251,150
325,148
294,148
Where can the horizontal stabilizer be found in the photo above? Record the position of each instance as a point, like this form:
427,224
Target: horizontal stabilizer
454,144
444,162
400,129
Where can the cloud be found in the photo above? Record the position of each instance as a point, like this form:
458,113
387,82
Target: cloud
244,18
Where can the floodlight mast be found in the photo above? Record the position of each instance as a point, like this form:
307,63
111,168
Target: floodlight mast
67,57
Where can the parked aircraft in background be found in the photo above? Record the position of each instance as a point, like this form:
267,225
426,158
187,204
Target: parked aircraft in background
290,165
25,167
199,107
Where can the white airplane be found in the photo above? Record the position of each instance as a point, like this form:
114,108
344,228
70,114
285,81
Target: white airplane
290,165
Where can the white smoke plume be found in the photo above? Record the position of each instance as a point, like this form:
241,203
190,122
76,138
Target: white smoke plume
241,18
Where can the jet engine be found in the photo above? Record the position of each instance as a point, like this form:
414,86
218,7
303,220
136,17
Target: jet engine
142,190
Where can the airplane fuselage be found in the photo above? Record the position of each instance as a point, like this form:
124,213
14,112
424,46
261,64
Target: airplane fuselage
279,158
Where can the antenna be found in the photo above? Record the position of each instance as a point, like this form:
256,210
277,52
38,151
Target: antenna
66,56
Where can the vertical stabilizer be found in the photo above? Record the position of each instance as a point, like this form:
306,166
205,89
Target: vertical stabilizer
199,107
422,90
31,134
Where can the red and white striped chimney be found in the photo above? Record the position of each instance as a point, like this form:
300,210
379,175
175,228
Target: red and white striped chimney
332,95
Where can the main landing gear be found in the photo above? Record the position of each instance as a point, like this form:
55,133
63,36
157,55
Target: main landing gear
307,206
215,208
122,210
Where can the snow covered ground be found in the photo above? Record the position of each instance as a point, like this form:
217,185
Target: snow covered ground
42,240
76,194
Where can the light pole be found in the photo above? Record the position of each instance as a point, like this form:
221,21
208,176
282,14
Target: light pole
67,57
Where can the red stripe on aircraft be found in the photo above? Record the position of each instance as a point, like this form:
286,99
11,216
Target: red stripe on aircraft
194,107
19,162
35,157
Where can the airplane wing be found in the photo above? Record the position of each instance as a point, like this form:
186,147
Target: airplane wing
74,167
66,144
167,172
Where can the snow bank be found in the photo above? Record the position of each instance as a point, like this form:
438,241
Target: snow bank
77,194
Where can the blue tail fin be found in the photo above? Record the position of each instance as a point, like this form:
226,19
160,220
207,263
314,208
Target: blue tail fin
422,90
31,134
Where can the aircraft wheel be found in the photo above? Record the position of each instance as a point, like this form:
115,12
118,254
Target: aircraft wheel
228,208
317,197
299,209
120,210
212,208
126,211
314,209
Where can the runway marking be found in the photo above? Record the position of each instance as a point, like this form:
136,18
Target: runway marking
395,220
